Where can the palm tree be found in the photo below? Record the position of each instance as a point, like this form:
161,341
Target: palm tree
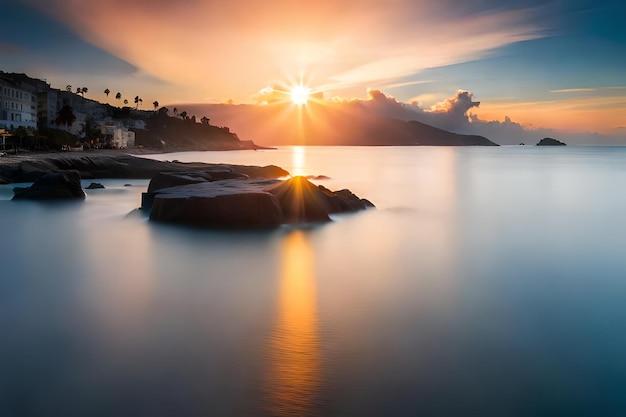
68,88
125,101
65,116
204,120
84,91
183,115
137,102
118,96
79,90
155,104
107,91
175,111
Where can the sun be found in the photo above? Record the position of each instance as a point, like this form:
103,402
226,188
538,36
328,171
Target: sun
299,94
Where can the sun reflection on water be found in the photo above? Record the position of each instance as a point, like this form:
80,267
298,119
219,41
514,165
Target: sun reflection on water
293,375
298,161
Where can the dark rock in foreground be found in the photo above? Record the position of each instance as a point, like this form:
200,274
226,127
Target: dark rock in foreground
218,204
550,142
51,186
246,203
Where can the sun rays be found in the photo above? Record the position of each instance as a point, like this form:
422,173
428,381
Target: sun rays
299,95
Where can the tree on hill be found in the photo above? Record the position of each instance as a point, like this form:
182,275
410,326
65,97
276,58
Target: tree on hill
183,115
85,89
125,101
155,104
204,120
118,96
68,88
107,91
65,116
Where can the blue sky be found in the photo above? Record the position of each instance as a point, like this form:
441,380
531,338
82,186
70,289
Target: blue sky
552,64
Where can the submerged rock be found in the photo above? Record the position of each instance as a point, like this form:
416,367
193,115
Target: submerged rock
246,203
52,185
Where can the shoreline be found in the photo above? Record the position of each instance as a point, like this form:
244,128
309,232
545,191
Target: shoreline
99,164
29,156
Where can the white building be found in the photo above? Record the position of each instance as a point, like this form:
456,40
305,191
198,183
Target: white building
118,136
18,104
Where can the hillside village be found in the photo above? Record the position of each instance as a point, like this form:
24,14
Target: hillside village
35,116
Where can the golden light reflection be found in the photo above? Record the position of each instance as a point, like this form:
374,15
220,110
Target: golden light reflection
298,160
293,377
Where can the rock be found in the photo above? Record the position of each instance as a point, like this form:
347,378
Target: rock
218,204
550,142
122,166
247,203
317,177
345,201
166,180
94,186
52,185
268,171
300,200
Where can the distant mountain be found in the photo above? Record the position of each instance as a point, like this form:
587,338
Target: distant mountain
326,123
550,142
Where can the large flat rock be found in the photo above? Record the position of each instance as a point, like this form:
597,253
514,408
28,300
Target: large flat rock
248,203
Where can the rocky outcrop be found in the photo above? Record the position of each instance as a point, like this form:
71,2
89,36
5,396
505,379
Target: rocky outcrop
550,142
303,201
94,186
248,203
119,166
218,204
51,186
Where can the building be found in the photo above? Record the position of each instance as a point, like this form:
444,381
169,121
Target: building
18,103
117,136
85,110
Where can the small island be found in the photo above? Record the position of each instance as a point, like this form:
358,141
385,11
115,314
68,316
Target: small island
550,142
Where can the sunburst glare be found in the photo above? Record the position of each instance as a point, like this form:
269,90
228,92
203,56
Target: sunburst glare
299,94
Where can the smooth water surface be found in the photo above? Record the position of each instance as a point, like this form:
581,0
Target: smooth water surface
488,282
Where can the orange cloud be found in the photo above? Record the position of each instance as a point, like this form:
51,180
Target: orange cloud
229,49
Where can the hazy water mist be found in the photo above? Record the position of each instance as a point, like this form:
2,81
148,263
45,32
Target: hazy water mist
488,281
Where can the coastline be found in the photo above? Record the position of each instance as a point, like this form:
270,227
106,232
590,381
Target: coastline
94,164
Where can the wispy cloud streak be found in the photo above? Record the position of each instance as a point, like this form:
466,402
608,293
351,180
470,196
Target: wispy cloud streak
226,49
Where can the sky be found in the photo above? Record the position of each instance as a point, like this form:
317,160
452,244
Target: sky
553,67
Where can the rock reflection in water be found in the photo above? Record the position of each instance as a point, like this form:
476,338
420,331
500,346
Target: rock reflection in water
293,373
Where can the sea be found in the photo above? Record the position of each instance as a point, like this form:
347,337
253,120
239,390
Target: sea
488,281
